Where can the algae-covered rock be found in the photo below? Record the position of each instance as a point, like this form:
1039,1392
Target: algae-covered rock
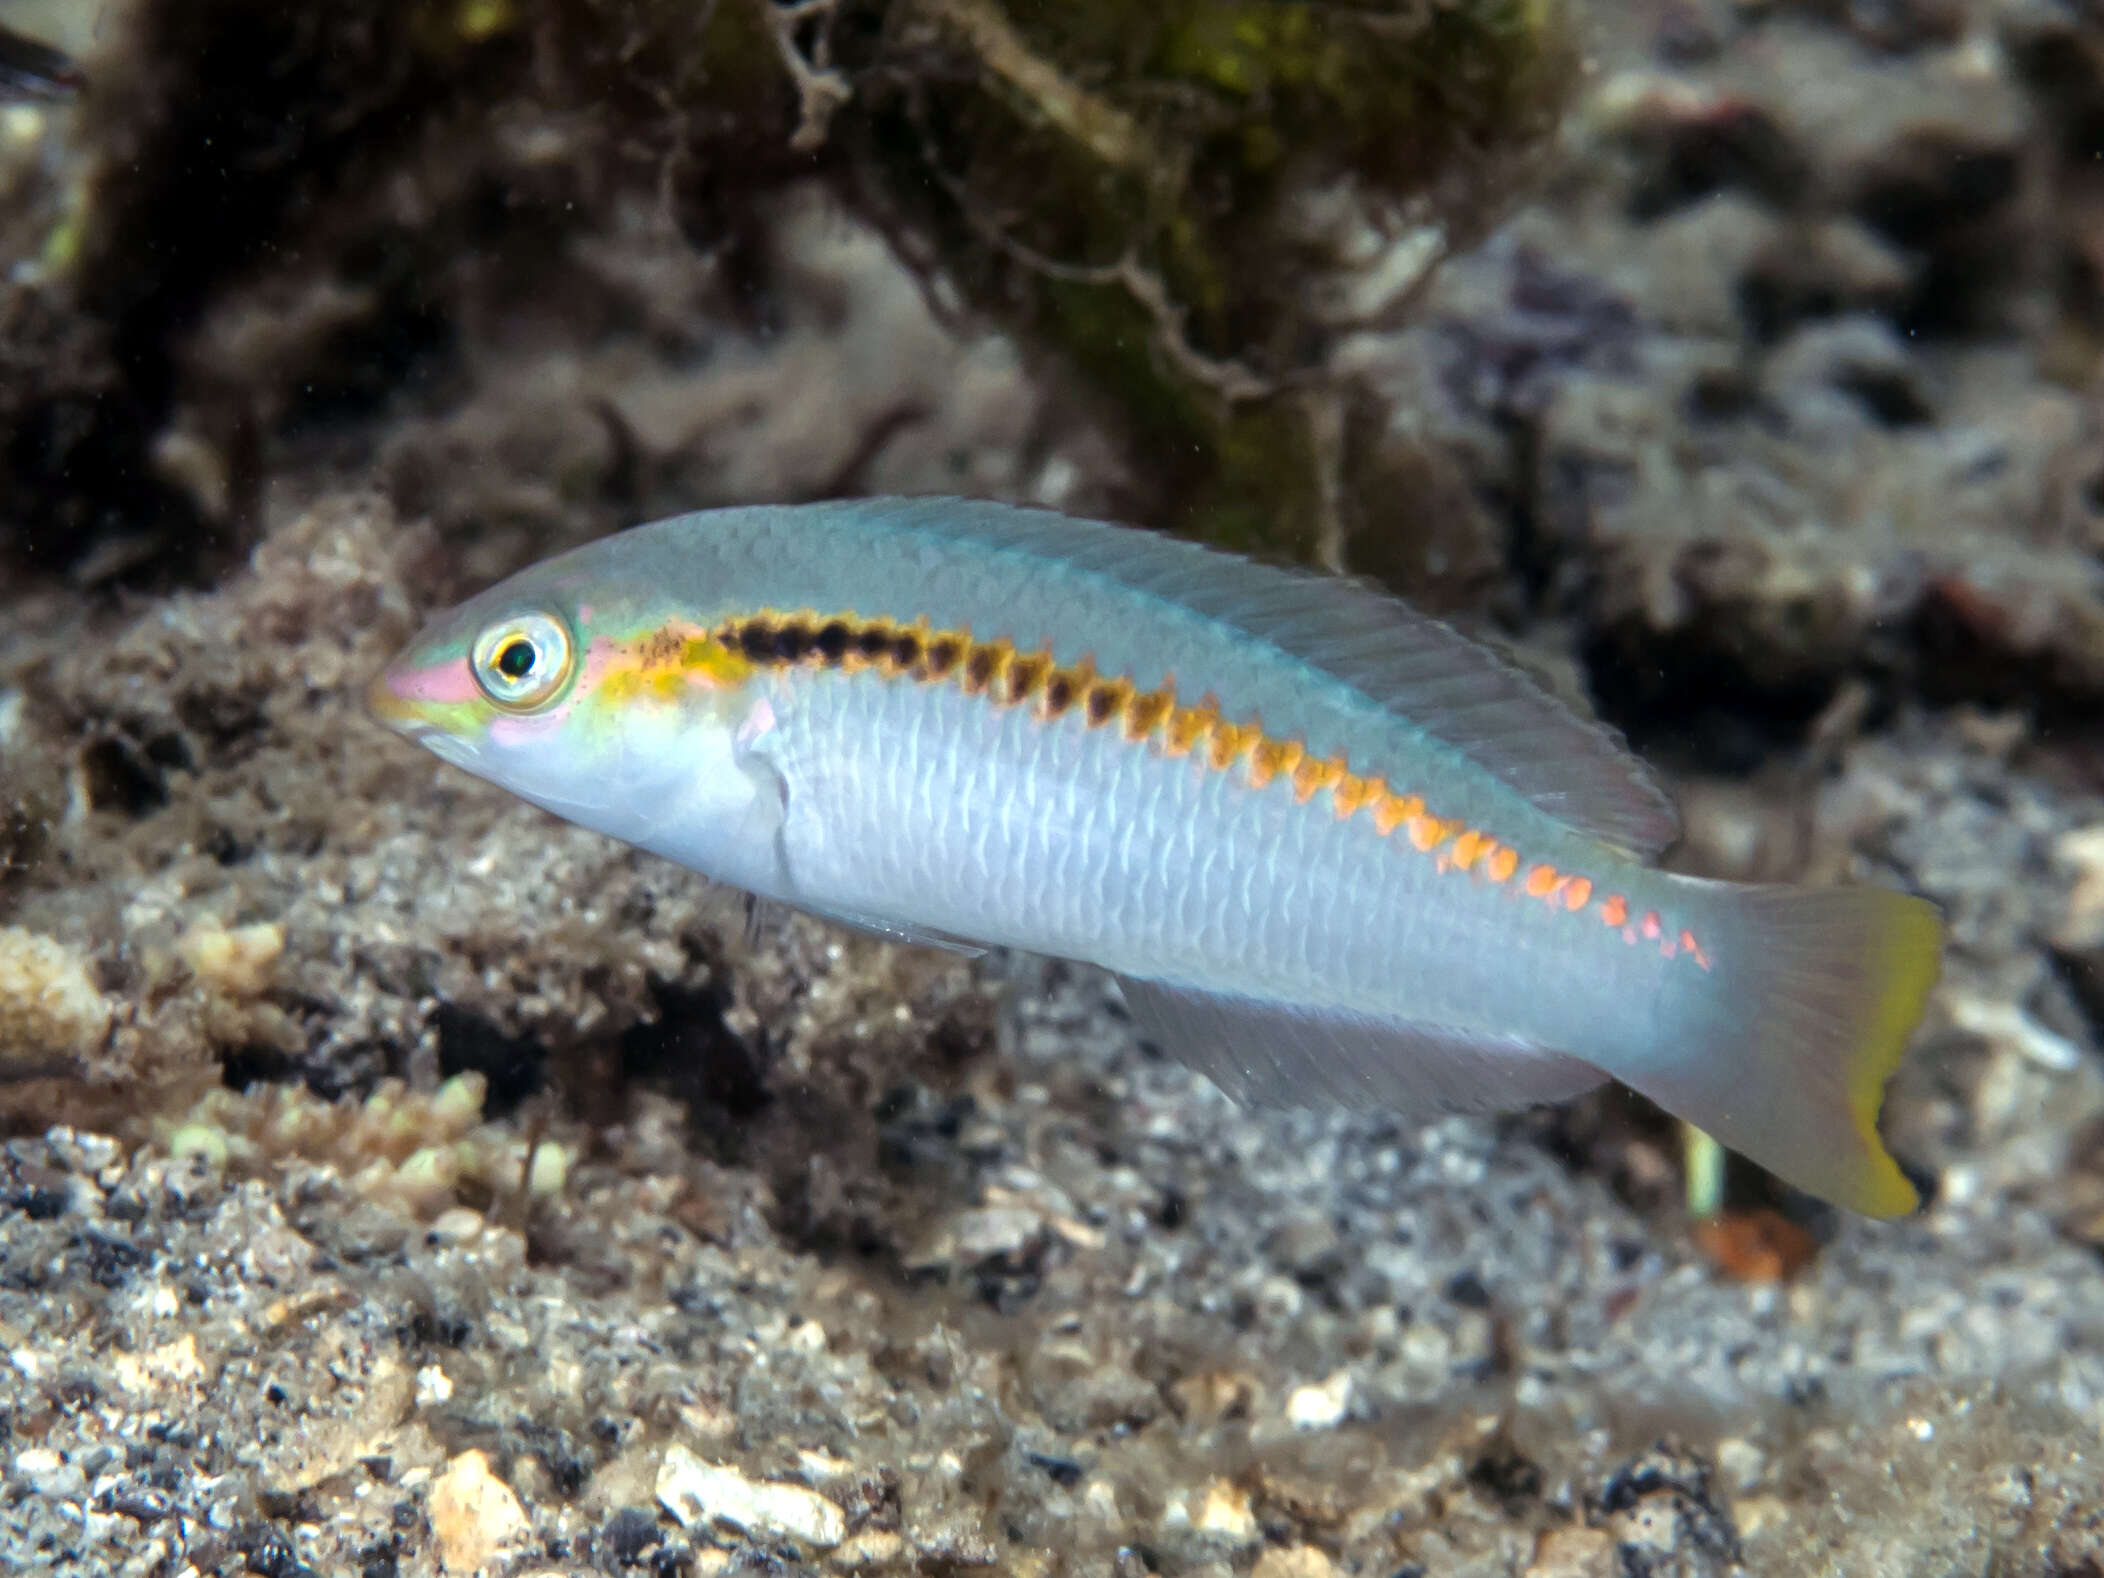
419,1153
1192,198
1183,203
49,1005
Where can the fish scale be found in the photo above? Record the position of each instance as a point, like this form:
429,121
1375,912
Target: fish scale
1333,851
999,753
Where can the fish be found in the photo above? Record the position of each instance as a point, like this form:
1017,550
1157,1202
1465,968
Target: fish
1335,853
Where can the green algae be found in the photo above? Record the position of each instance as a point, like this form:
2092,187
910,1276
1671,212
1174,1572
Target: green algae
1121,183
1182,202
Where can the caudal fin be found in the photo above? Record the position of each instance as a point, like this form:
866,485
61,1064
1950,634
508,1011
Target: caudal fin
1783,1050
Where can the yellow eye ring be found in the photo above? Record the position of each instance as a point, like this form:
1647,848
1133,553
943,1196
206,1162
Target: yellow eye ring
522,663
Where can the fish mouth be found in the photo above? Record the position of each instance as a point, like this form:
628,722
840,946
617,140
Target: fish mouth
406,716
391,707
447,747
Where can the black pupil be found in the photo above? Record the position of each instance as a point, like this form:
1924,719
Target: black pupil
515,659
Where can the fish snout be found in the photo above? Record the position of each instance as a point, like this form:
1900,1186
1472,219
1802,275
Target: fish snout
385,701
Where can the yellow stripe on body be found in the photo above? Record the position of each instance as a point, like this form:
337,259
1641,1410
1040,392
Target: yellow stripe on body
730,653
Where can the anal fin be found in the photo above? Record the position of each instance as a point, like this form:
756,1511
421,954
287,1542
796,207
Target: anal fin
1277,1055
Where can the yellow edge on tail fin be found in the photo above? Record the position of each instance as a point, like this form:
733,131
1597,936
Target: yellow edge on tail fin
1782,1051
1908,964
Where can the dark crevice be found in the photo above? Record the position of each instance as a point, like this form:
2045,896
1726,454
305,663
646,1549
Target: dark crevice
696,1057
2082,971
123,778
1679,699
1701,155
516,1067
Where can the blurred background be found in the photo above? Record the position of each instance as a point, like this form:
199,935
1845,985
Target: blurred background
400,1182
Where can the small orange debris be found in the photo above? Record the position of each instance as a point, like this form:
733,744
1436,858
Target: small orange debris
1755,1246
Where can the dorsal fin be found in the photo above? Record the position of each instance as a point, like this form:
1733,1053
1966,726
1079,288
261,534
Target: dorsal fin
1458,692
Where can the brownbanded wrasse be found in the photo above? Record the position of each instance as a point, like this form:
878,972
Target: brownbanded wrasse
1334,852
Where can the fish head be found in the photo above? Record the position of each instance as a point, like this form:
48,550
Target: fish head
605,704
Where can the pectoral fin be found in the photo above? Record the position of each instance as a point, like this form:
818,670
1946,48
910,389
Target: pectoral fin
892,931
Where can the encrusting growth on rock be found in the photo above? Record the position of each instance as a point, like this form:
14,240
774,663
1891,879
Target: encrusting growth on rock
49,1004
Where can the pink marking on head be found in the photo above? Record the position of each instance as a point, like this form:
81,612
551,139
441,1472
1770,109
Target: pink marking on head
445,684
1651,925
508,730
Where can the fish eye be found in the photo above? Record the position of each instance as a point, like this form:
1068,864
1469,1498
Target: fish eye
523,662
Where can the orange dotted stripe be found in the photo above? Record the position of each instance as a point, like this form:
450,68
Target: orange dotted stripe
996,669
